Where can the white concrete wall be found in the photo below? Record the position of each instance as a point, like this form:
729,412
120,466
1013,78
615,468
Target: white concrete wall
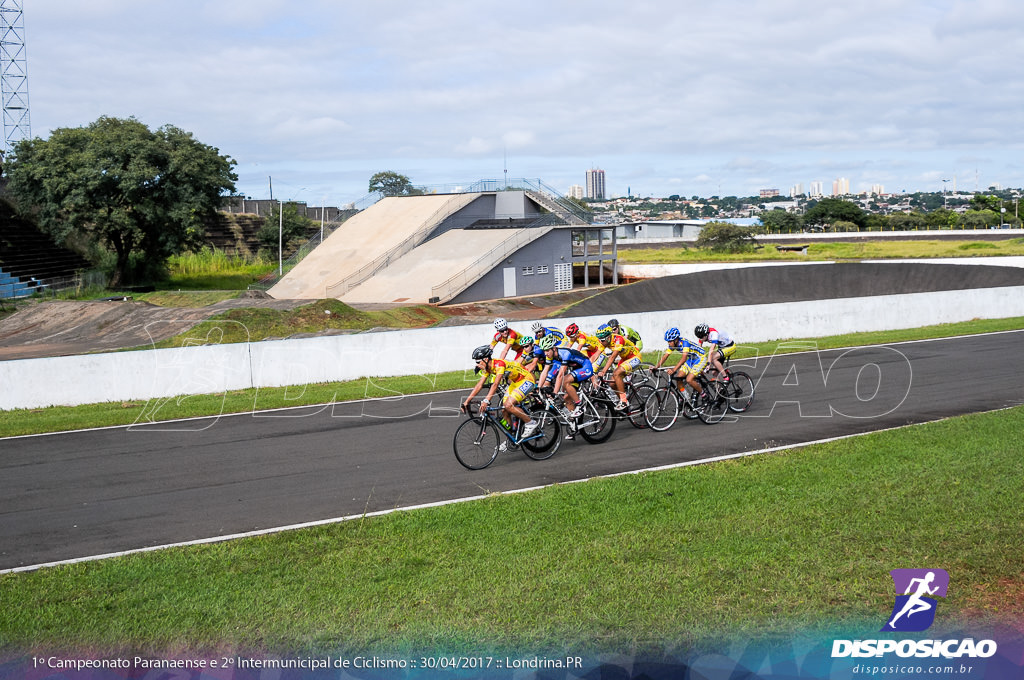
164,373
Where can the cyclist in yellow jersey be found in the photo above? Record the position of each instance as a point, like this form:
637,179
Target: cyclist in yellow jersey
618,347
520,383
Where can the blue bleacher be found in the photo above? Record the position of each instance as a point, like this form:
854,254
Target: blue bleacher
14,287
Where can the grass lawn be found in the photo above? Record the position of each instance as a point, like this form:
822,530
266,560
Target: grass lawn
852,250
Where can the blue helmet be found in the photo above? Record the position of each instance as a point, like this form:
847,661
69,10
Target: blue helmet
671,334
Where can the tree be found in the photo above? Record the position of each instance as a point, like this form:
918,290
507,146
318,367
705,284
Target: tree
982,202
391,184
829,210
142,194
727,237
911,221
283,226
779,221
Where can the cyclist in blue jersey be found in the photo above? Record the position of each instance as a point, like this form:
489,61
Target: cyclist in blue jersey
542,331
693,361
532,357
567,367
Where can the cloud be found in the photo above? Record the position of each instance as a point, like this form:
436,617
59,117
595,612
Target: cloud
729,94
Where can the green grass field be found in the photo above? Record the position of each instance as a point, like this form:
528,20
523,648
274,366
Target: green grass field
851,250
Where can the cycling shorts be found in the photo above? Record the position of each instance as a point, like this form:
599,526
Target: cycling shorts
628,365
695,363
578,374
519,391
728,350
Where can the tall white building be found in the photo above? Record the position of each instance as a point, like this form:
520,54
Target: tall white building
841,187
817,189
595,184
575,191
797,190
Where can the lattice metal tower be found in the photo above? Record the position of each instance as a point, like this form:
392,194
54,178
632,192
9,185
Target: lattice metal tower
13,74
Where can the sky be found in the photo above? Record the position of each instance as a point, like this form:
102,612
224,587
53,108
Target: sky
313,97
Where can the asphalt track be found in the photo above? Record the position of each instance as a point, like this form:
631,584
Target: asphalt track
766,285
75,495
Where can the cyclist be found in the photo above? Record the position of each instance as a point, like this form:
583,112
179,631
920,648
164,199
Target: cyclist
520,383
722,347
586,344
532,355
626,332
615,347
540,331
690,365
566,366
508,337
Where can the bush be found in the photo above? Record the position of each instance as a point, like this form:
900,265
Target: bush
725,237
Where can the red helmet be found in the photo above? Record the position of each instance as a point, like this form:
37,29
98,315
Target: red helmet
572,329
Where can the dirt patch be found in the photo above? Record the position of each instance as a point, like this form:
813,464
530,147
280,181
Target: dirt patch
63,328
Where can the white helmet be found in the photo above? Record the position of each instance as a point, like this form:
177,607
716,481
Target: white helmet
500,324
537,326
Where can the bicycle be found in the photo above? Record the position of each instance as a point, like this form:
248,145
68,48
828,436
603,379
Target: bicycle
636,397
665,404
477,441
738,389
597,422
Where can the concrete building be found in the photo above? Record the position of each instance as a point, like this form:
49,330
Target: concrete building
595,184
459,247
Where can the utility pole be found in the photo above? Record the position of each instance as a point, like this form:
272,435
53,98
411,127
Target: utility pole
14,74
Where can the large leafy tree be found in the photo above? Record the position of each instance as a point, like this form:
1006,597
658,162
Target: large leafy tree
779,221
139,193
391,184
830,210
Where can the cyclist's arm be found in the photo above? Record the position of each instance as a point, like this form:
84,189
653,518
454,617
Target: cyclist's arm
544,374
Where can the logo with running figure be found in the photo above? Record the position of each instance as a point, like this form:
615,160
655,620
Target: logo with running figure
914,610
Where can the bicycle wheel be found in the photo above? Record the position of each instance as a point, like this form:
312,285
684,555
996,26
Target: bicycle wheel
476,443
597,423
661,409
637,400
712,405
544,441
739,391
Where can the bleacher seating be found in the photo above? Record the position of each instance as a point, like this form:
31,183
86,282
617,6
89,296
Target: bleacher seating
29,259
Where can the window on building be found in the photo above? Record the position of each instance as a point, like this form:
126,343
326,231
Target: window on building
542,269
527,271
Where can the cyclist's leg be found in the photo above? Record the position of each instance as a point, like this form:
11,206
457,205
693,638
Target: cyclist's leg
515,395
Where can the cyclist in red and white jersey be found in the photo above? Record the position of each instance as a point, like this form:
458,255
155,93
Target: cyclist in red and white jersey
722,346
